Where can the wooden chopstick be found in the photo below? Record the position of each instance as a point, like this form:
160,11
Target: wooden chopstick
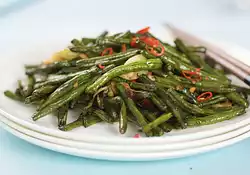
233,69
236,67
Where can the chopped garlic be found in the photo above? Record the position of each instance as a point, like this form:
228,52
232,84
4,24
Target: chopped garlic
65,54
134,75
192,89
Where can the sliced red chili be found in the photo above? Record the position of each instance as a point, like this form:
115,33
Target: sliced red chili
204,96
101,66
143,31
191,75
146,103
154,52
137,136
133,81
134,41
198,69
109,50
124,48
126,85
150,41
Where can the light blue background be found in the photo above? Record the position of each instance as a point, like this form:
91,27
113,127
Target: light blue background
217,19
21,158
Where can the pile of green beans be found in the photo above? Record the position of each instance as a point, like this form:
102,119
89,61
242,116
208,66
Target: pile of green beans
159,100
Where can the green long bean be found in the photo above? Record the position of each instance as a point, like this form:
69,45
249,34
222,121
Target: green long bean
142,65
131,78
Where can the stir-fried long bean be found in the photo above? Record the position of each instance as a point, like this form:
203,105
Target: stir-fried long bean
131,78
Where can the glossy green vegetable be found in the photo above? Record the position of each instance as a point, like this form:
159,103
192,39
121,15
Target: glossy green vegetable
167,81
190,96
31,82
44,90
170,50
90,120
59,79
111,106
158,103
196,59
198,49
115,56
123,119
19,91
103,115
166,127
73,83
213,100
12,96
237,98
163,118
74,93
174,108
72,125
34,99
133,67
132,107
177,65
62,115
135,85
99,100
131,78
199,62
90,104
215,118
191,108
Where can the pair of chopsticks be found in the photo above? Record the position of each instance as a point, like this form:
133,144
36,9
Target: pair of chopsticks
236,67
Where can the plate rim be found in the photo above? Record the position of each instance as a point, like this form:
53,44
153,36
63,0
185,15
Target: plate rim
127,140
127,148
122,156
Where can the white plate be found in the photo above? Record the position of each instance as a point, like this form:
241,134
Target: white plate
128,148
100,133
124,156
